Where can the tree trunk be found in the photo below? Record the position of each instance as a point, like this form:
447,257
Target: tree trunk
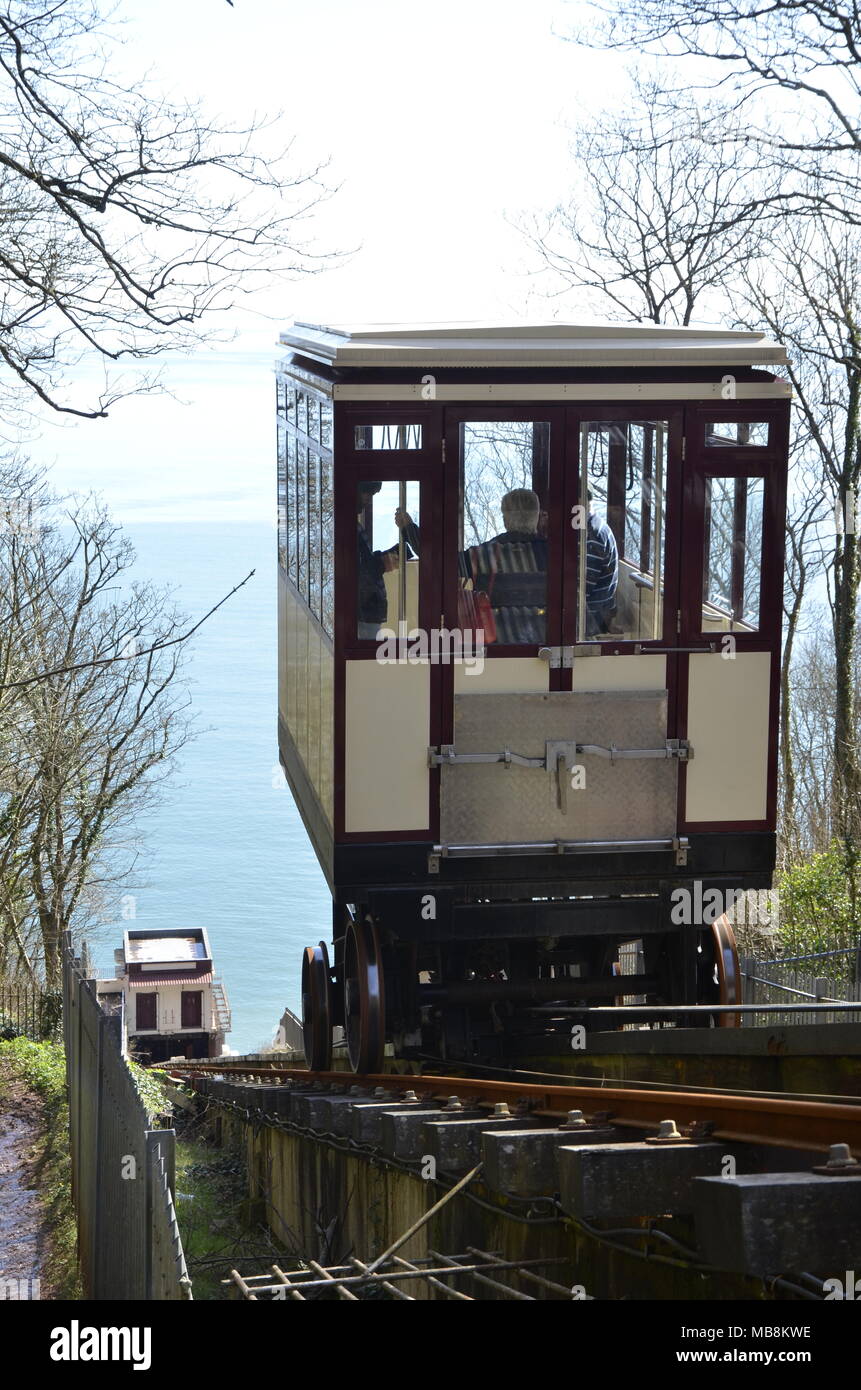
847,770
52,935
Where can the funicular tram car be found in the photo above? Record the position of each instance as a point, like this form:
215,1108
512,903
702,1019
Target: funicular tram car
530,616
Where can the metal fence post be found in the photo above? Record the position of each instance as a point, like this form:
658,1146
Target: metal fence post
105,1181
151,1139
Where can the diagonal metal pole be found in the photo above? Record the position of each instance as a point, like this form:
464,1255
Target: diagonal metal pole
423,1220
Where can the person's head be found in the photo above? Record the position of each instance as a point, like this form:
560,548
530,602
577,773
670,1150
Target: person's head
520,510
367,492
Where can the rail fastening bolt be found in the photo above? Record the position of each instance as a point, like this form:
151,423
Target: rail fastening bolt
575,1120
667,1134
840,1156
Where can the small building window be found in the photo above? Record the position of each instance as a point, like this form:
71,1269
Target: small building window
283,541
391,436
737,434
733,554
326,424
306,525
292,551
315,578
327,546
387,554
301,412
313,426
301,529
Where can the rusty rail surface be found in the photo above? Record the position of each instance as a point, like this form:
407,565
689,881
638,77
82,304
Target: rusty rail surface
787,1123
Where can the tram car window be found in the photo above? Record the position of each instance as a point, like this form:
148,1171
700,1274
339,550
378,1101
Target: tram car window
529,614
621,572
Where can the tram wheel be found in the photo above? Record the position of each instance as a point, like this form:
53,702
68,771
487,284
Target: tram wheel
317,1008
724,952
364,1003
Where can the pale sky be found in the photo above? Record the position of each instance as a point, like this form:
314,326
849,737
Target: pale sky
440,122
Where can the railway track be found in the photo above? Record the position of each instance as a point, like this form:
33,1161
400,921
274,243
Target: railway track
790,1122
717,1184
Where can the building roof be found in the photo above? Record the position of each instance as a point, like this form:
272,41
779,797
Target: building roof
157,946
153,980
531,345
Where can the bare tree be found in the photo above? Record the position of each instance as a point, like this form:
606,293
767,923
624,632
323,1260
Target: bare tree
810,296
803,564
812,714
661,215
669,222
125,218
789,69
87,747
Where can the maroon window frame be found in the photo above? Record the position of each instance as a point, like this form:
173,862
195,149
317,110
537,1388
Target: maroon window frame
146,1012
353,466
672,412
552,486
191,1008
768,462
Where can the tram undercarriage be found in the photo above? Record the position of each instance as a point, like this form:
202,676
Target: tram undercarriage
495,998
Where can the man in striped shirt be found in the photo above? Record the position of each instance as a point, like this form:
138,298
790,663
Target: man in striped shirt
602,574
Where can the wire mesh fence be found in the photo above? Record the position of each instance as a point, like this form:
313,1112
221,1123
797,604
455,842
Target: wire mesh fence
122,1170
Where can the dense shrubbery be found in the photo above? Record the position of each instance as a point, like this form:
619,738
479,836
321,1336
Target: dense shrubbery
40,1065
151,1091
816,912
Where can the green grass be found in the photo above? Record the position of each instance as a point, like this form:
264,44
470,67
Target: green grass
211,1208
41,1067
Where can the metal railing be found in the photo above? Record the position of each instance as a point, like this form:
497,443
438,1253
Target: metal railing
122,1170
221,1005
780,982
28,1011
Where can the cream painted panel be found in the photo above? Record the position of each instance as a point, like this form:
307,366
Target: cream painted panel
507,676
169,1017
728,730
387,737
620,673
282,645
307,682
327,734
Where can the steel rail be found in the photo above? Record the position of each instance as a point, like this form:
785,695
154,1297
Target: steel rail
788,1123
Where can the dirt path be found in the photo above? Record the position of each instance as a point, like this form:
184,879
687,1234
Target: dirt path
24,1245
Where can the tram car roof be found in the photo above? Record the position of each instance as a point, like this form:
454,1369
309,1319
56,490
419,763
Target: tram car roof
528,345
